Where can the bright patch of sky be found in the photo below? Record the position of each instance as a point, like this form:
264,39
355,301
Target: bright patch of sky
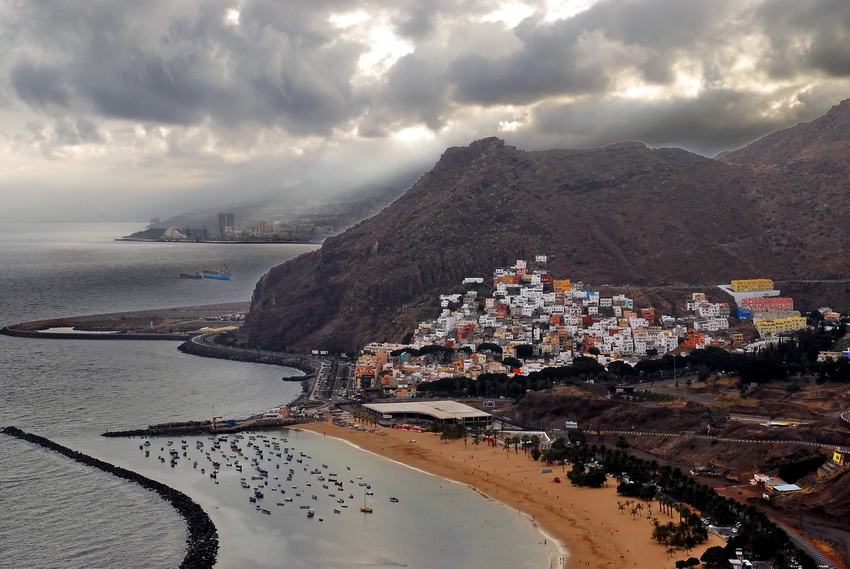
376,32
414,133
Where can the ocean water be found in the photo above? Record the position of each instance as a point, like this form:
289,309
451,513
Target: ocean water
59,514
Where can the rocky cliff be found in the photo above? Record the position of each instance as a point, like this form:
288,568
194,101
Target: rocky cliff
620,214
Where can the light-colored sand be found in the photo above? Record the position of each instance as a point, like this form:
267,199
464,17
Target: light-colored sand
587,520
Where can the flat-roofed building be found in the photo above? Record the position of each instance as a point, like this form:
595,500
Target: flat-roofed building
429,411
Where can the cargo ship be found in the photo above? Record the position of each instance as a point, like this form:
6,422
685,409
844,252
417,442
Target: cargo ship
222,273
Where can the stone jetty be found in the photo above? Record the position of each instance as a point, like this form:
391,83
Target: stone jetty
202,540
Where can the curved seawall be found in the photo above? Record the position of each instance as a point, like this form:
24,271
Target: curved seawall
17,331
199,346
202,539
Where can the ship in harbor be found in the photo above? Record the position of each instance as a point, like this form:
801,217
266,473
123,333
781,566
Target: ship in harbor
222,273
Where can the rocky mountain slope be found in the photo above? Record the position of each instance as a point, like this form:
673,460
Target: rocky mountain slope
620,214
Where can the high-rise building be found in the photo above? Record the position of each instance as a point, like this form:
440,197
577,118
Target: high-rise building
225,223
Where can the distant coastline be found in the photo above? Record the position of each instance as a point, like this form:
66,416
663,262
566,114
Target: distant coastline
226,242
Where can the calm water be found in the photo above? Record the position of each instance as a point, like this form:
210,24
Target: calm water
59,514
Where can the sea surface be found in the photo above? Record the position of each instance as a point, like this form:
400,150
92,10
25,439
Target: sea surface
60,514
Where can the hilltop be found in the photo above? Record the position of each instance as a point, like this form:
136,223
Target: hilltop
623,214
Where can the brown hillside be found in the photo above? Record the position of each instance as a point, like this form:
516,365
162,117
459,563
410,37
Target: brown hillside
820,143
621,214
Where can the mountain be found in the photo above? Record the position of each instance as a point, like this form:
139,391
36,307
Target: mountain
822,144
620,214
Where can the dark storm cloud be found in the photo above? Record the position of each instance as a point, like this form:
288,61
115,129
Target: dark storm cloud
819,34
582,55
177,64
415,92
39,84
288,66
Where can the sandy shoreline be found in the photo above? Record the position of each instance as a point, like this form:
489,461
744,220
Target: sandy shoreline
587,520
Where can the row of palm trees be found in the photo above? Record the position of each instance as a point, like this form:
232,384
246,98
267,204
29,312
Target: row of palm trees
674,489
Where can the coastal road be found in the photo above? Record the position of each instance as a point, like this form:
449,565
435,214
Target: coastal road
714,438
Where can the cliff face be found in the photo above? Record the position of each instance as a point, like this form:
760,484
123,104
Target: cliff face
621,214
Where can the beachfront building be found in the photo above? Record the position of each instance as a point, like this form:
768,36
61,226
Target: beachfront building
427,412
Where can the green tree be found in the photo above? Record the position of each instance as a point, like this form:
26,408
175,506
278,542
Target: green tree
524,351
715,557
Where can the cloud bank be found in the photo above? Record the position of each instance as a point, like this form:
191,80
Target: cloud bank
127,109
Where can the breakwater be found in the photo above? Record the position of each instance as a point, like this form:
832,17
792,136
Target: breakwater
202,539
29,333
250,424
201,346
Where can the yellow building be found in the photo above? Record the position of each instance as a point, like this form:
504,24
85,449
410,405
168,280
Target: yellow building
779,325
563,285
751,285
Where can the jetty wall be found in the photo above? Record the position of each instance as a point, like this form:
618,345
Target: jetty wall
202,539
200,346
25,333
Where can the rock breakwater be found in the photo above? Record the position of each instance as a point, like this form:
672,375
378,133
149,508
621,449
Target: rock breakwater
201,346
202,539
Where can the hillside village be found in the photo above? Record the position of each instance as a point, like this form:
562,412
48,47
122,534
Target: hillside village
545,322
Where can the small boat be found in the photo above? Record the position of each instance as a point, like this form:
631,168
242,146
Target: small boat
222,273
311,512
266,512
194,276
393,499
365,509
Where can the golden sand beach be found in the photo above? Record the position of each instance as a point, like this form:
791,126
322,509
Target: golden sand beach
588,521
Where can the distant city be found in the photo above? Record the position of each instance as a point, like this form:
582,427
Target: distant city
312,229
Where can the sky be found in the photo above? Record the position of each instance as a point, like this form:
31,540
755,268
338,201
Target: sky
122,111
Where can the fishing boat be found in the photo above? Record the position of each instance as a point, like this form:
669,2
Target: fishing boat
221,273
365,509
